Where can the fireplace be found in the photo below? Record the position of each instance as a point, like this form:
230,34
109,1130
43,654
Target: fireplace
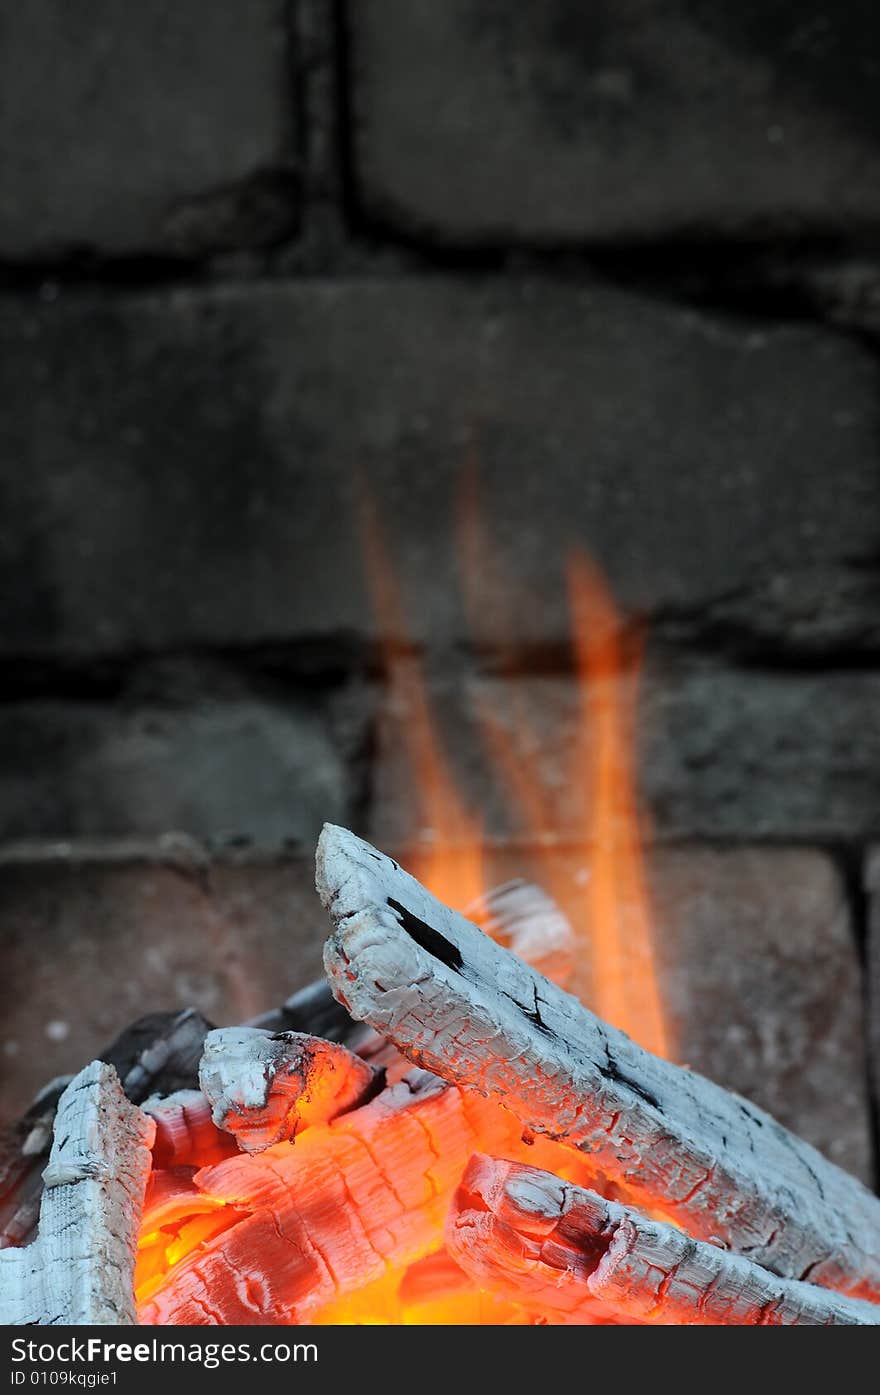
465,438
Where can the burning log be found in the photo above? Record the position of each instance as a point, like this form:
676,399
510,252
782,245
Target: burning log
186,1135
158,1053
517,914
531,1238
349,1203
80,1267
264,1089
459,1005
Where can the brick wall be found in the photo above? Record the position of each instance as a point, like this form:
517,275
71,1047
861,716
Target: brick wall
260,257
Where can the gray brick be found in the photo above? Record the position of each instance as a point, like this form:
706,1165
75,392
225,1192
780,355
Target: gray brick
182,469
722,753
757,962
229,766
487,121
151,128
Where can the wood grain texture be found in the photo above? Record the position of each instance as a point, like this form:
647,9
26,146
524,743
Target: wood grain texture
80,1268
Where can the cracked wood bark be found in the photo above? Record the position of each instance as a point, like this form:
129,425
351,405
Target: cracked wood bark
459,1005
80,1267
307,1224
560,1250
265,1088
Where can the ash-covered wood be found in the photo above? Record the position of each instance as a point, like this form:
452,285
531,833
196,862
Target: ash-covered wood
157,1054
265,1088
517,914
459,1005
350,1201
571,1255
80,1267
24,1149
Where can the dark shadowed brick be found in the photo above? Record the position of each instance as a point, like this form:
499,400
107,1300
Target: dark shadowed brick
154,128
488,121
186,468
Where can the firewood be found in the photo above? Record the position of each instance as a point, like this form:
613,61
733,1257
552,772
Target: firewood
264,1088
158,1053
675,1143
186,1135
312,1009
24,1149
350,1202
517,914
80,1267
569,1254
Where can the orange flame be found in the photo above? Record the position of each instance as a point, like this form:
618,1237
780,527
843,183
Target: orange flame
610,906
626,989
449,860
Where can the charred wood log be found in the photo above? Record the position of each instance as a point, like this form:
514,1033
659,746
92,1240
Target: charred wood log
80,1267
157,1054
517,914
312,1009
557,1249
305,1225
459,1005
263,1088
186,1135
23,1153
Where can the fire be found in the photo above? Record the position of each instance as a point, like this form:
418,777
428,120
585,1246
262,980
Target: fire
605,896
617,915
450,859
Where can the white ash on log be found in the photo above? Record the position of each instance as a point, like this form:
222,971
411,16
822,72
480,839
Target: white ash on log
350,1201
80,1267
569,1254
265,1088
460,1006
